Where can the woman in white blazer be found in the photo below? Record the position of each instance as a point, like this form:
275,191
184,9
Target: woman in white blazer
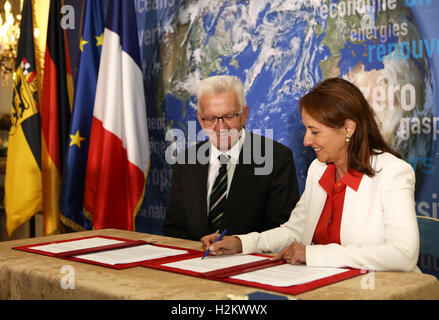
357,209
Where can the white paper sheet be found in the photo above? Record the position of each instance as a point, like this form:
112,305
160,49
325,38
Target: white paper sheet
76,245
286,275
131,254
211,263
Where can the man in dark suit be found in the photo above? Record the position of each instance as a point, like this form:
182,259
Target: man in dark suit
240,181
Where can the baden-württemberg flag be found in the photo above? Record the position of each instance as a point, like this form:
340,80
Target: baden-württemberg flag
72,190
118,159
55,116
23,165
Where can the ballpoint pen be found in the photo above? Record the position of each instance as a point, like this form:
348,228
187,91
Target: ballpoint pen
218,239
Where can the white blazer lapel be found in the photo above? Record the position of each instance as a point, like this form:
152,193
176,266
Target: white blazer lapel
356,206
316,202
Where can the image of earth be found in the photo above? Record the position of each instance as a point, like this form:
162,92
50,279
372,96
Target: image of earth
280,50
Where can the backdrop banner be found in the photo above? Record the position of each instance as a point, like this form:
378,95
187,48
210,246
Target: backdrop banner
280,50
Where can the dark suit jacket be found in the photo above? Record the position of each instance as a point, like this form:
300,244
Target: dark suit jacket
254,202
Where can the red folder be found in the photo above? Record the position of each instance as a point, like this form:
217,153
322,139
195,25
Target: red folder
243,268
225,274
70,255
212,275
300,288
218,275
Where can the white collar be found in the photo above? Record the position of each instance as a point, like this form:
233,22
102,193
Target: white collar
233,152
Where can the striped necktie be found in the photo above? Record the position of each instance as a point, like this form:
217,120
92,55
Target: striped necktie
218,196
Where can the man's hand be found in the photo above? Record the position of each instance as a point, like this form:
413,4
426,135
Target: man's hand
228,245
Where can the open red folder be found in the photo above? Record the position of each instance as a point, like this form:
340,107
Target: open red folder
122,243
226,273
223,274
297,289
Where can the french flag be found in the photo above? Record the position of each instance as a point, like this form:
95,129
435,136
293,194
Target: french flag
119,156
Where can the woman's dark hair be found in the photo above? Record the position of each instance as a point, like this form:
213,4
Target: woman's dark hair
335,100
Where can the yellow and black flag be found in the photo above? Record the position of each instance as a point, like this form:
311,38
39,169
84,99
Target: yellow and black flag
23,182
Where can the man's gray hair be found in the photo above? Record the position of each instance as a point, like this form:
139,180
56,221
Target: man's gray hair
220,84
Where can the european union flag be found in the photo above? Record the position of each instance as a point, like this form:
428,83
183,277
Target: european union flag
72,190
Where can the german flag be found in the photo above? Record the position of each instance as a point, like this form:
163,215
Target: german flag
55,116
23,196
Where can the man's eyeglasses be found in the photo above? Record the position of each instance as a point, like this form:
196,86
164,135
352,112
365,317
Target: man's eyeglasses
228,118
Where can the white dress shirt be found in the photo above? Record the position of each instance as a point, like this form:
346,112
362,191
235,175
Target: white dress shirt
214,164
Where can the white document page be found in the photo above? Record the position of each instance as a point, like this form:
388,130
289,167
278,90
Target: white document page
286,275
212,263
131,254
76,245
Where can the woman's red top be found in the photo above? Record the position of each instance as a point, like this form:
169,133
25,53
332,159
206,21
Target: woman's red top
328,227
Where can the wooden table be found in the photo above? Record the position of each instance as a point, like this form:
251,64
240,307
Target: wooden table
26,275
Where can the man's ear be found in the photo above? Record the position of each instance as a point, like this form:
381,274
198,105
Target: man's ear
244,115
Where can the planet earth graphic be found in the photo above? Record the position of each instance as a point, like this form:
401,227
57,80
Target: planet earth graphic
281,49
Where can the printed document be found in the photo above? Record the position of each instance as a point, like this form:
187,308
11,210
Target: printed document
131,254
212,263
286,275
76,245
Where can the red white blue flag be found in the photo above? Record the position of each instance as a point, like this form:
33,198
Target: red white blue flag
119,158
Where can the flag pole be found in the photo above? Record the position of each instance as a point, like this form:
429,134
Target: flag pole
32,227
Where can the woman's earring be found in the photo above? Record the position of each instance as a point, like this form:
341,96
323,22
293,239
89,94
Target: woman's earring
348,138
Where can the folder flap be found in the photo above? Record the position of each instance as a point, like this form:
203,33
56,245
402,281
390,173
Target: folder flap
77,254
126,244
243,268
36,248
158,262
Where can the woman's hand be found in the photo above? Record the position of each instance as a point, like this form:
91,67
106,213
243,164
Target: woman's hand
295,253
228,244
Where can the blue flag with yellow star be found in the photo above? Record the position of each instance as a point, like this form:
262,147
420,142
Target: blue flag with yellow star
72,190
